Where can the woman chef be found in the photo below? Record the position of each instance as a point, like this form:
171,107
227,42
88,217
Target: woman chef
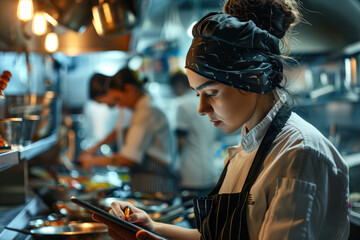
284,180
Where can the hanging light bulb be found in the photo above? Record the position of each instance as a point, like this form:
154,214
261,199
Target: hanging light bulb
51,42
39,24
25,10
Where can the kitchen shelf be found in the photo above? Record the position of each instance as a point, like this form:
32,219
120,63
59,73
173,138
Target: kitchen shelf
12,157
8,159
38,147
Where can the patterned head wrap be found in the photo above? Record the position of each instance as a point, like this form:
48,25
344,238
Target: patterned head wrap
236,53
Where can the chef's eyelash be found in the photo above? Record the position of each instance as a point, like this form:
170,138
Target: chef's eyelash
208,95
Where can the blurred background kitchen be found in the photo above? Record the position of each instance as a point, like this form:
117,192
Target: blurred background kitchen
53,47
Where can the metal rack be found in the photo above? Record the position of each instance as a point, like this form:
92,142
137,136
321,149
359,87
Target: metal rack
19,214
12,157
8,159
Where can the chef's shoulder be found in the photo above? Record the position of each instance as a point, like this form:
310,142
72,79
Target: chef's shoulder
149,113
304,143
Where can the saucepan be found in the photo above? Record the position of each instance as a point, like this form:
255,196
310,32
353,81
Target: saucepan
73,231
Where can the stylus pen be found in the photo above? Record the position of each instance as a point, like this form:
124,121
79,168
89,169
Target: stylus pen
127,212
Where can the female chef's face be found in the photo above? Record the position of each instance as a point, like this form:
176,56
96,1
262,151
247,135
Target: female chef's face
228,108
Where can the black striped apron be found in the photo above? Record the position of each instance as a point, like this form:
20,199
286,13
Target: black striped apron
151,176
223,216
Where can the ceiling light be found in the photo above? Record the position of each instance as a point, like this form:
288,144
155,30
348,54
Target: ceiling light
51,42
39,24
25,10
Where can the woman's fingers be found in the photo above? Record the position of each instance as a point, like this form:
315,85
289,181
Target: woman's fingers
136,216
140,217
117,209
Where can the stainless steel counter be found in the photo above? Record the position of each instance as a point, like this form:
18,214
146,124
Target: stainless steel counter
19,217
13,157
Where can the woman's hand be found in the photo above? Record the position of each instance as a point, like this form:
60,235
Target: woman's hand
136,216
118,233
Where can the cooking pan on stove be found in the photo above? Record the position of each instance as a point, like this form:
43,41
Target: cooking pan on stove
74,231
149,206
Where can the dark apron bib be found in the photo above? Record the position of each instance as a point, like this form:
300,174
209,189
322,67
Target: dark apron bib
223,216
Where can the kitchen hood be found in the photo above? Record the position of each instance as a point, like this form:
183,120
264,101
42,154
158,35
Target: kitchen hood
333,25
75,29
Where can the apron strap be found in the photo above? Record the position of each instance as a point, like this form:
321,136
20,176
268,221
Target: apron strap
274,129
216,189
212,223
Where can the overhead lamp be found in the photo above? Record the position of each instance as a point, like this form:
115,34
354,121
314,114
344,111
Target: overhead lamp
25,10
39,24
51,42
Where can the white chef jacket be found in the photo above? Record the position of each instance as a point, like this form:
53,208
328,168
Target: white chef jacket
149,143
148,133
196,161
302,190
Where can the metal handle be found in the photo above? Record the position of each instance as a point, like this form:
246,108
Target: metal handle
18,230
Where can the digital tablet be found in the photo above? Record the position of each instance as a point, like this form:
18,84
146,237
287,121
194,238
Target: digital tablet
125,224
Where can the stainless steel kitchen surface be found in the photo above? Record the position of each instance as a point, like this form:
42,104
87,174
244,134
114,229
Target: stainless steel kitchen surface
325,82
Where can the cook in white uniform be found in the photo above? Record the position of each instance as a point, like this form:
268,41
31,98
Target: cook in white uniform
195,137
146,146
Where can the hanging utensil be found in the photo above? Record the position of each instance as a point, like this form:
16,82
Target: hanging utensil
113,18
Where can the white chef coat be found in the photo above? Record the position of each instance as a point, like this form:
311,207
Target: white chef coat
148,133
149,143
196,161
302,189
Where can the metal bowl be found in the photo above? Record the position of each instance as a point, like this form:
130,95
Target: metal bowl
46,106
11,130
28,129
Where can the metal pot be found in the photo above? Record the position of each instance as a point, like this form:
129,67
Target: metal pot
28,129
50,194
11,130
75,15
74,231
47,106
112,18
